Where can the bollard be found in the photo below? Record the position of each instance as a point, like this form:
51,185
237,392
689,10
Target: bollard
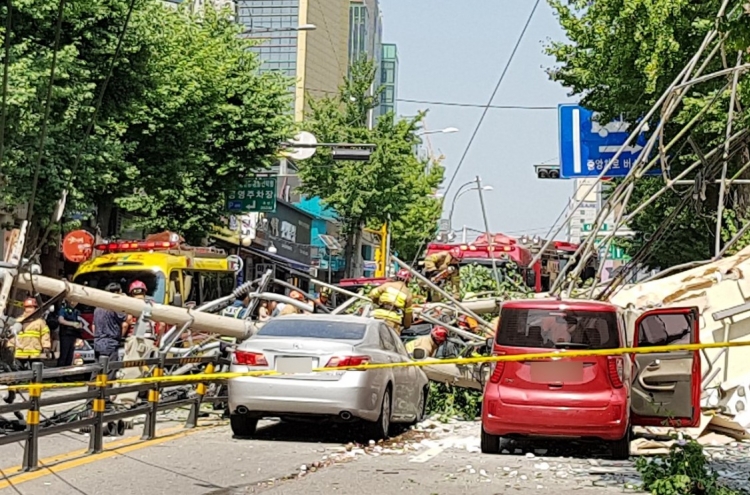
200,391
31,448
98,406
149,429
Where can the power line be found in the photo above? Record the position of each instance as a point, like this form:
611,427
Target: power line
494,92
476,105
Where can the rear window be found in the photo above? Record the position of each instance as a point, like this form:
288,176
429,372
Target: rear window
313,329
554,328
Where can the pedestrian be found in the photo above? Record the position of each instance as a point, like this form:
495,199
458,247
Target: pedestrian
70,331
263,313
109,328
32,343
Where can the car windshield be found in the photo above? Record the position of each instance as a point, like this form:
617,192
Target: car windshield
561,329
313,329
154,280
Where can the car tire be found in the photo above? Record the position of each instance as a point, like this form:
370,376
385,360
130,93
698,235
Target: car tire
381,428
620,449
242,425
490,444
422,412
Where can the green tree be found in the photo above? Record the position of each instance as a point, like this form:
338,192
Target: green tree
620,56
393,184
184,116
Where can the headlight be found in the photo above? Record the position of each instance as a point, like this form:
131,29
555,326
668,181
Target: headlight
79,344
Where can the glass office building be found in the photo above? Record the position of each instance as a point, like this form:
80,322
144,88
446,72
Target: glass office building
388,78
264,18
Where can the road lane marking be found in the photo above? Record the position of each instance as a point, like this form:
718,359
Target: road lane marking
55,464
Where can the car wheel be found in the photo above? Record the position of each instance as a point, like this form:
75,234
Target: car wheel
490,443
422,406
242,425
621,448
380,429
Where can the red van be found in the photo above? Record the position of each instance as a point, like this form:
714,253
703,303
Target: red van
589,398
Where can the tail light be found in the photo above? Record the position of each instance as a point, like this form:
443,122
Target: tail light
616,368
347,361
498,367
250,358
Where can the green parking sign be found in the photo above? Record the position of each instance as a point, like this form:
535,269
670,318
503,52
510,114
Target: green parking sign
588,227
255,194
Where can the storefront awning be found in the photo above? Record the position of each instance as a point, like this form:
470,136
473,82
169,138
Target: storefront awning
280,259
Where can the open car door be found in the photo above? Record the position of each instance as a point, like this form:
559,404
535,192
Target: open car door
666,387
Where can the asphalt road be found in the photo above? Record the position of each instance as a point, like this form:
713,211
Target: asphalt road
309,459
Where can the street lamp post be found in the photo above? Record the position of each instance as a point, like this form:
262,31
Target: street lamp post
461,192
447,130
490,237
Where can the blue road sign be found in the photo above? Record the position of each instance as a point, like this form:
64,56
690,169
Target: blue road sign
586,146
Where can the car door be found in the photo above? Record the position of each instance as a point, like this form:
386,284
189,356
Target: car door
387,342
666,387
413,385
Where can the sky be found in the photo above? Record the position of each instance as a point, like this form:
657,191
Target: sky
455,52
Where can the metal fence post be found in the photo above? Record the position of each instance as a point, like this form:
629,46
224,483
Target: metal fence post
149,430
98,406
31,448
200,391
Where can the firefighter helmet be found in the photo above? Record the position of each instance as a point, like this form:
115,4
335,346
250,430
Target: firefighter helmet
137,288
403,274
297,295
30,302
439,335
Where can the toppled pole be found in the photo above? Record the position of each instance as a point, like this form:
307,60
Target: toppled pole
171,315
440,291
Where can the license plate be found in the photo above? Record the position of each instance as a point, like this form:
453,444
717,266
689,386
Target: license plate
557,371
294,364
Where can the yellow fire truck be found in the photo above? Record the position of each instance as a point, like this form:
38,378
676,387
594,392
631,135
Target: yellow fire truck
174,273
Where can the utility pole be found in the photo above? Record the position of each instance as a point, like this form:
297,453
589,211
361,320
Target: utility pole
490,237
387,258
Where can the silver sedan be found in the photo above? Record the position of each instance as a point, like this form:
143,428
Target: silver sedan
295,345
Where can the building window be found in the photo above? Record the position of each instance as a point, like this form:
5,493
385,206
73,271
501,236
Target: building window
389,73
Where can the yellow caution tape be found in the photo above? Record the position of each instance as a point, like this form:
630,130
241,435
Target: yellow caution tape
557,354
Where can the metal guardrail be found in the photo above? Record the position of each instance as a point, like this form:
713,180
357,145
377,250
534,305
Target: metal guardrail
99,419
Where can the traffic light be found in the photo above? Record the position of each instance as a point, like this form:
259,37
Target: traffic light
547,171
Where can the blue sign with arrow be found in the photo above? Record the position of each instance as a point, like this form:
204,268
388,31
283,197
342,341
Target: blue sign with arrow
586,146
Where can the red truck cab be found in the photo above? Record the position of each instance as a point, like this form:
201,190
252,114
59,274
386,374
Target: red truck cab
596,397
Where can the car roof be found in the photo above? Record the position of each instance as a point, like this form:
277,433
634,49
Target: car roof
560,304
353,319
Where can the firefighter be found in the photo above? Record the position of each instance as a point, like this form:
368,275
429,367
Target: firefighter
468,323
33,342
436,263
441,267
394,302
430,343
138,290
290,309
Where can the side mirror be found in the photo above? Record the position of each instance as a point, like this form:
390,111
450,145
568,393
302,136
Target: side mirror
177,300
530,277
419,354
490,343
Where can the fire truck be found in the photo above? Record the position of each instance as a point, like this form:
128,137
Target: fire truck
173,272
516,253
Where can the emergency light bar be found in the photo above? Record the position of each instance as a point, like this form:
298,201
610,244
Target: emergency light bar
126,246
135,246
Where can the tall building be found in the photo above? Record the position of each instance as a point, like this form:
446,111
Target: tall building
388,79
317,60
